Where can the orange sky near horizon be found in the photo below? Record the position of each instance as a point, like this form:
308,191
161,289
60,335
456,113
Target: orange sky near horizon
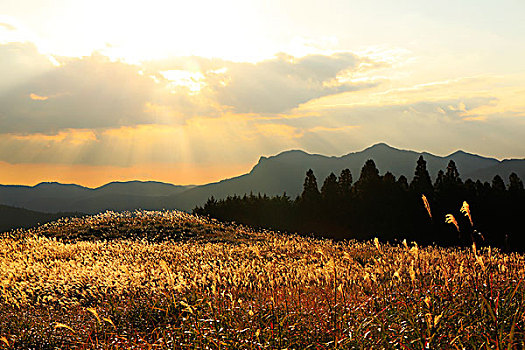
94,176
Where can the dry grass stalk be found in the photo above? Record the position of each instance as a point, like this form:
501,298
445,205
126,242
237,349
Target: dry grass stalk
427,205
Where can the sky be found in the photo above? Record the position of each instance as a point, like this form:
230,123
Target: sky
190,92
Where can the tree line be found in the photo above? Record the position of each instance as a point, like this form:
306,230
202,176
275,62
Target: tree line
448,212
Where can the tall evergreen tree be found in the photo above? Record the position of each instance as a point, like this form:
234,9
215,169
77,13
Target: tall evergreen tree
402,183
421,183
515,183
345,183
330,189
498,186
389,178
310,190
330,202
440,180
369,178
451,177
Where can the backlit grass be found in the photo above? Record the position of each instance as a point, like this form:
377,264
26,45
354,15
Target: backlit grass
172,280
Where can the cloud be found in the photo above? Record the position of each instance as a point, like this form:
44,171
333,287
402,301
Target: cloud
283,83
438,126
87,92
235,138
42,96
187,108
21,62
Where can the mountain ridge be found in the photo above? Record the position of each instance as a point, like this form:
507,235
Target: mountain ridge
272,175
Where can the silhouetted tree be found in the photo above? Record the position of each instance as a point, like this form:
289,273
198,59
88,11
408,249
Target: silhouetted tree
308,210
440,181
369,178
367,213
515,209
330,202
498,186
451,177
330,189
421,183
345,183
515,183
310,190
389,179
402,182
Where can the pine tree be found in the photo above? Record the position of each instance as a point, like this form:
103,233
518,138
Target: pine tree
330,189
389,178
345,183
402,183
451,177
498,186
440,180
515,183
369,178
310,189
421,183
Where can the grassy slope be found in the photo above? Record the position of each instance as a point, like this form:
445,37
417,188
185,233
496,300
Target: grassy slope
173,280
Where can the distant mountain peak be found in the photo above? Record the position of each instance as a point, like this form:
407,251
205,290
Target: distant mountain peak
381,145
55,183
287,155
459,152
292,152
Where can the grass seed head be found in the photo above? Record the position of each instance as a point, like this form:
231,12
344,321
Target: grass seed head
465,209
450,219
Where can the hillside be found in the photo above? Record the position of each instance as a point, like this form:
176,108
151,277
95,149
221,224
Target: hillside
168,279
12,217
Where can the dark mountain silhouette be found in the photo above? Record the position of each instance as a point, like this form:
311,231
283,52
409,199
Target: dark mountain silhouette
51,197
271,175
12,217
285,171
503,169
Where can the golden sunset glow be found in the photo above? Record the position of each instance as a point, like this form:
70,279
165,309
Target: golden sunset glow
193,92
95,176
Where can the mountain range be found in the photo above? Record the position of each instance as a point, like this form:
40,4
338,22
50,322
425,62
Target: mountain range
273,175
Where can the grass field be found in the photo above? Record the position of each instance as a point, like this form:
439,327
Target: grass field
170,280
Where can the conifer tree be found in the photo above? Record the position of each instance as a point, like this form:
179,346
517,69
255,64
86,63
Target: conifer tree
498,186
310,190
451,177
345,183
440,179
330,189
389,178
369,178
402,182
515,183
421,183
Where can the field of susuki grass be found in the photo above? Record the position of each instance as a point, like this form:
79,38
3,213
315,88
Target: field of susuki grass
169,280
